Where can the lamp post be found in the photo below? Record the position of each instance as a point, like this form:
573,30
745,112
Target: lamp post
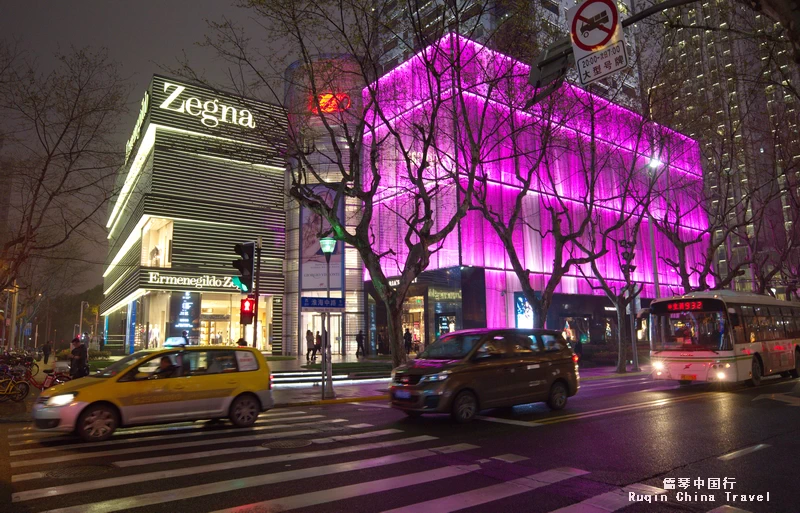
328,245
80,325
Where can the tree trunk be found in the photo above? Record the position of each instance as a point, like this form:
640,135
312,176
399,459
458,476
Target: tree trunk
621,339
395,322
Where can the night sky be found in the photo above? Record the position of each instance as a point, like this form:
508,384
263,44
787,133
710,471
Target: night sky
140,35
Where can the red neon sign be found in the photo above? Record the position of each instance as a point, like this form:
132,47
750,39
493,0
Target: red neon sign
330,103
685,306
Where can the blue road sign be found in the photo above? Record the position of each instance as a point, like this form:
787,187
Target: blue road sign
322,304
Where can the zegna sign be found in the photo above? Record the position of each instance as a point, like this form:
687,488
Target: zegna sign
211,112
207,280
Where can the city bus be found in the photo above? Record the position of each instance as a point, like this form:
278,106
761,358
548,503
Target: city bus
724,336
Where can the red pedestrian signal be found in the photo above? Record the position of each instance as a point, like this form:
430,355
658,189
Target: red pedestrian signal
246,312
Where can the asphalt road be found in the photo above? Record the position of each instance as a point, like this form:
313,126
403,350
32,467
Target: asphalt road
615,437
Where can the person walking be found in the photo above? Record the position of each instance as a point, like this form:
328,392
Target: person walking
79,360
317,347
360,344
407,340
310,348
46,348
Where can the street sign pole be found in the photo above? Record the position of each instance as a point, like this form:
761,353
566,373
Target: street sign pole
255,291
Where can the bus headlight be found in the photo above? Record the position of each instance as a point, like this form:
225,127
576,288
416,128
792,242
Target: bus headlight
720,375
658,366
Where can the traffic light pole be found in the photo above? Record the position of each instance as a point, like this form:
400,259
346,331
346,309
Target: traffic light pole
255,290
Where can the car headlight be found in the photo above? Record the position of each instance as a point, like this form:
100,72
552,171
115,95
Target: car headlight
432,378
61,399
658,365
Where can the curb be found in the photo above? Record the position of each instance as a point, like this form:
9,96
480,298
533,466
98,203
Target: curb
615,375
334,401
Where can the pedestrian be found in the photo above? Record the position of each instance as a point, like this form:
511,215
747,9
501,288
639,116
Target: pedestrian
310,348
79,360
185,335
241,342
407,340
46,351
360,344
317,347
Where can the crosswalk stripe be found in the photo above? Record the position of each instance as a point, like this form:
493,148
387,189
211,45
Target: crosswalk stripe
180,445
491,493
148,439
508,421
200,469
610,501
116,439
179,426
357,490
373,405
191,492
742,452
357,436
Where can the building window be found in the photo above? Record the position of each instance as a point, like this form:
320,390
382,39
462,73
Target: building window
157,243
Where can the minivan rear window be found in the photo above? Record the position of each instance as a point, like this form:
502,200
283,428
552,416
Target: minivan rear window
454,347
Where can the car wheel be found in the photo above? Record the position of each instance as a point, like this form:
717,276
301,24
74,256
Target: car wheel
21,391
97,423
413,414
795,373
558,396
755,373
465,407
244,411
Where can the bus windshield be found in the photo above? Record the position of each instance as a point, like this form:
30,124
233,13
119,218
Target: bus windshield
690,331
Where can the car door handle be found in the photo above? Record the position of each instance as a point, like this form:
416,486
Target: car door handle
231,381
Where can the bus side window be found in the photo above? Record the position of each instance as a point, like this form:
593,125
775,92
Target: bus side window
749,322
737,323
792,322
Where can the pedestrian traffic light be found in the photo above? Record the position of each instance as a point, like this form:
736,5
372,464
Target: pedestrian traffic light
246,312
244,265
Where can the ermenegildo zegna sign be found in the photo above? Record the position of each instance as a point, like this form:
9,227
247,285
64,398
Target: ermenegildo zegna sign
198,282
203,110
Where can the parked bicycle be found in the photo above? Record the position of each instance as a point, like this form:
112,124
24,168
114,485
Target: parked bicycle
51,379
12,386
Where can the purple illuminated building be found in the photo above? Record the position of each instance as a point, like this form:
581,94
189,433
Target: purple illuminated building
469,282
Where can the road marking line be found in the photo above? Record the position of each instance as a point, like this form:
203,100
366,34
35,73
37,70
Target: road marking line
148,439
172,457
357,436
491,493
191,492
510,458
627,407
177,445
116,439
507,421
357,490
610,501
201,469
727,509
180,426
373,405
742,452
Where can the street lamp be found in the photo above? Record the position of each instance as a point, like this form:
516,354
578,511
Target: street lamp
328,245
80,326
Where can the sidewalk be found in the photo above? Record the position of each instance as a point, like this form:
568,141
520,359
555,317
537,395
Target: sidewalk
297,363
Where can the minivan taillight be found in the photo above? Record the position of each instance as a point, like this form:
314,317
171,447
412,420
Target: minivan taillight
575,358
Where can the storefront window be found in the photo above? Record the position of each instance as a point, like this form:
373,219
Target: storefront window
157,243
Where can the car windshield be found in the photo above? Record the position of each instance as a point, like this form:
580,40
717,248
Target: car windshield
451,347
120,365
690,331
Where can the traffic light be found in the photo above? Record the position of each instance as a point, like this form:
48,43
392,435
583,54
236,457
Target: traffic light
246,312
244,265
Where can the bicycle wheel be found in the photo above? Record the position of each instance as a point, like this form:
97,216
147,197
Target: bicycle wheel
21,391
34,369
5,390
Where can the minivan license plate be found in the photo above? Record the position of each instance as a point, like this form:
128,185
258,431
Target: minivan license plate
402,394
688,377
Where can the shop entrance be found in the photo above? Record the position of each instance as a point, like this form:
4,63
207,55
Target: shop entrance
414,321
315,322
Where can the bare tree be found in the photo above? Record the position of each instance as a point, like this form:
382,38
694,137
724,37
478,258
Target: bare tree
402,159
59,150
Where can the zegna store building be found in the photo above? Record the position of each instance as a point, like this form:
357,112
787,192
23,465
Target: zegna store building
203,171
